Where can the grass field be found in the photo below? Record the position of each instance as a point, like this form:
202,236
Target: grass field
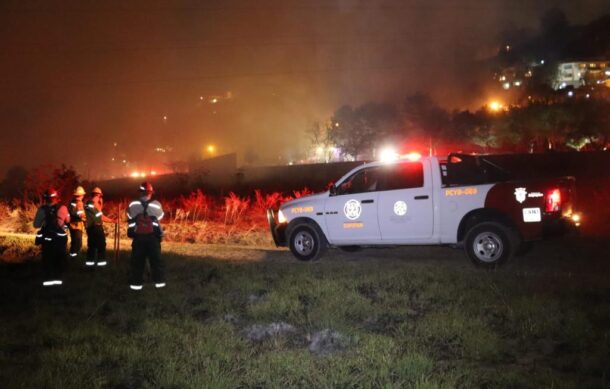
233,317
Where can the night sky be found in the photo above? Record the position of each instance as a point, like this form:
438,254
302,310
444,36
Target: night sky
247,76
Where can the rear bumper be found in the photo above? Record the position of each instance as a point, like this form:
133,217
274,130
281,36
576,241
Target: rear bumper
278,231
559,226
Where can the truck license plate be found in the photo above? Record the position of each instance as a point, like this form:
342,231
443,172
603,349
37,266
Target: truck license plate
531,215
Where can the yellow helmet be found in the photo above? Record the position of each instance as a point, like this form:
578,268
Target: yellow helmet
97,190
79,191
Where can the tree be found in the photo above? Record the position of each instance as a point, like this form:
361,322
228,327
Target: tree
574,124
591,128
425,118
464,124
64,179
321,138
357,132
13,185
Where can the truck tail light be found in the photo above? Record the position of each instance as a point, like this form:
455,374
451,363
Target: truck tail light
553,201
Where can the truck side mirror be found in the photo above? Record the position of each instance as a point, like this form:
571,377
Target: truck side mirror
332,190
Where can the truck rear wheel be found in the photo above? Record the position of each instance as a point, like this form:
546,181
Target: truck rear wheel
490,244
307,242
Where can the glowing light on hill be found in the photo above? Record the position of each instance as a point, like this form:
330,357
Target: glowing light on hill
495,106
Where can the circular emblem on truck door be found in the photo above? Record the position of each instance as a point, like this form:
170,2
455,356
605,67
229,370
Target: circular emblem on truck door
352,209
400,208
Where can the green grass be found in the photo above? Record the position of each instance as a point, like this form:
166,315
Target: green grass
407,323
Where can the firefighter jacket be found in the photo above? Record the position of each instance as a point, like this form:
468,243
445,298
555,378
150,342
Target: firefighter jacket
76,208
153,209
94,212
50,229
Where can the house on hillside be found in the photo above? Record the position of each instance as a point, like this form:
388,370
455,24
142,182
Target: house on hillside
578,73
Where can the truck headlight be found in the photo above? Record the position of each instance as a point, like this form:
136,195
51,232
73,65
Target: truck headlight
281,218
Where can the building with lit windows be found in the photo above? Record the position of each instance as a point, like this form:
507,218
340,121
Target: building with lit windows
579,73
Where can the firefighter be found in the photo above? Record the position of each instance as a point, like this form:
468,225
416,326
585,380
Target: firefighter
96,238
52,219
77,221
143,217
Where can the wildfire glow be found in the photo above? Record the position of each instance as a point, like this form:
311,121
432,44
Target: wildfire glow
495,106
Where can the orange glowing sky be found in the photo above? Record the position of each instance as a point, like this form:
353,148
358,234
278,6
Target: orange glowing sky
246,76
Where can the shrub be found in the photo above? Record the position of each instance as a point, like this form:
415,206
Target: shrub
194,207
262,202
235,207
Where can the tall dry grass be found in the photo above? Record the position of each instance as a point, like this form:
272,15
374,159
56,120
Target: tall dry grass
193,218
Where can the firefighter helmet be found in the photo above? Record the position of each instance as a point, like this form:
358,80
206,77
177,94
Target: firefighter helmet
79,191
50,193
97,190
146,187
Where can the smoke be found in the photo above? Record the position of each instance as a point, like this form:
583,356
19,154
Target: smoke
80,76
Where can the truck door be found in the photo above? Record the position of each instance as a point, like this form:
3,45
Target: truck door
351,213
405,203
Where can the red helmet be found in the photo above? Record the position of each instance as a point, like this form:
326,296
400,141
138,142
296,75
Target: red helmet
146,187
50,193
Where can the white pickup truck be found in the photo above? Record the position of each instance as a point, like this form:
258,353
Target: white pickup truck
464,201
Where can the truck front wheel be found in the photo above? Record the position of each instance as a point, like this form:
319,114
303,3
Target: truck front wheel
490,244
307,242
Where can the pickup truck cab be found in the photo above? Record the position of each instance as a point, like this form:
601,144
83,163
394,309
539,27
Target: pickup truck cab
462,201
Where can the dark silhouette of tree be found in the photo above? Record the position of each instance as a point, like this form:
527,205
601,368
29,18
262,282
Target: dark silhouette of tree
13,184
64,179
321,136
423,117
358,131
571,124
464,125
